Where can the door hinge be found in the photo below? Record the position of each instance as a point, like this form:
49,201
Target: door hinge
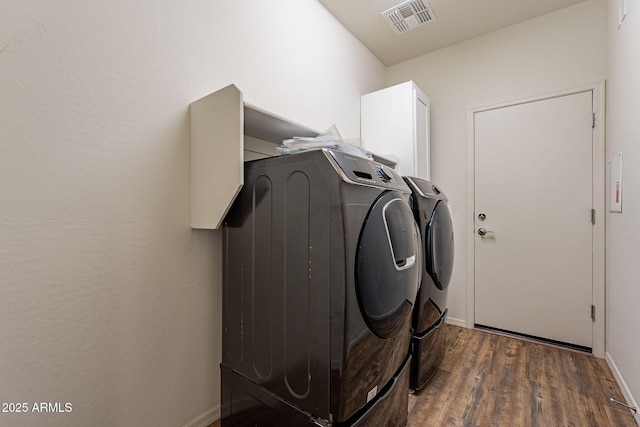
593,312
593,120
593,216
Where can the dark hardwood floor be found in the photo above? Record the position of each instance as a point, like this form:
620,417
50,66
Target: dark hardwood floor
492,380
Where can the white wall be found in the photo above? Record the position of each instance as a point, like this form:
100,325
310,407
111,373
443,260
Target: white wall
109,300
623,230
561,50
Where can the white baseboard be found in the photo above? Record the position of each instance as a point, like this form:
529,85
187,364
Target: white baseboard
205,419
626,393
456,322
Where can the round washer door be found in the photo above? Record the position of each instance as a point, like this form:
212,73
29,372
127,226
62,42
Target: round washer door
388,265
439,246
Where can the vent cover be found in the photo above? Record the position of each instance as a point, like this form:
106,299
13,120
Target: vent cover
408,15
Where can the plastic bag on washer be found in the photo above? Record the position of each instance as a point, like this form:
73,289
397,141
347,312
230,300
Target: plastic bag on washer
330,138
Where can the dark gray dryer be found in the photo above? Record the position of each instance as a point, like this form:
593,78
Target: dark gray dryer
322,265
432,215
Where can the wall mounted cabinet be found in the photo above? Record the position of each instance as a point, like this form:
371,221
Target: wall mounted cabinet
395,123
225,131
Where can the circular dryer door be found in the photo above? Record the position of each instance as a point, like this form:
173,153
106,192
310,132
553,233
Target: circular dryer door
439,246
388,264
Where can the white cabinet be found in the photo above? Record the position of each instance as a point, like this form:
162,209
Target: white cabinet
395,122
224,133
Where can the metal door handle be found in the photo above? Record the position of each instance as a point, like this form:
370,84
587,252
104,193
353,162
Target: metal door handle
482,231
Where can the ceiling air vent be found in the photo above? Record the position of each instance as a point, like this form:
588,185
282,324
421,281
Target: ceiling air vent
408,15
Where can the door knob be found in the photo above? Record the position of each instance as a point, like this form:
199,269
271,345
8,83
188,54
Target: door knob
482,231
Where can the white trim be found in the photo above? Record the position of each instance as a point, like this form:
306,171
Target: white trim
599,204
456,322
205,419
598,90
470,222
626,393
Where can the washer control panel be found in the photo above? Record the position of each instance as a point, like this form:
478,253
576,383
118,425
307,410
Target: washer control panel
367,172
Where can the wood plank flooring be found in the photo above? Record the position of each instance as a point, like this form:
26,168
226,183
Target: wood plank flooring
491,380
494,380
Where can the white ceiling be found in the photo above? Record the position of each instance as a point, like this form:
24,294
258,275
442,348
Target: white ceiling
455,21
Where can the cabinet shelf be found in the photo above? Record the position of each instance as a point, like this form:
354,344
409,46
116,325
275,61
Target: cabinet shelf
226,131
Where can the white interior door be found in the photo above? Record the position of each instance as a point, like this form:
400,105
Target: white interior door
533,183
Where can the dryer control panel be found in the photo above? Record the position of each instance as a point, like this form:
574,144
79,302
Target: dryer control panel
425,188
358,170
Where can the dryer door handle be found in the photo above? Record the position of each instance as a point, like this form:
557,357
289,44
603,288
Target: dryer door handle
401,264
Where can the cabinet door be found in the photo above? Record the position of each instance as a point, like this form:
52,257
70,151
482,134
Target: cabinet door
395,122
421,124
216,133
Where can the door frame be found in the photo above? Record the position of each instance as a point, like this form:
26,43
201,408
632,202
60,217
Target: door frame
598,188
